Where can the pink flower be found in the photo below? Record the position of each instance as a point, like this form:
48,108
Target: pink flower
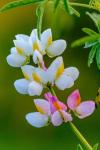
81,109
49,110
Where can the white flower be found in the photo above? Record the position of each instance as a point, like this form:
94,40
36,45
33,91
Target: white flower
62,78
32,84
20,54
46,45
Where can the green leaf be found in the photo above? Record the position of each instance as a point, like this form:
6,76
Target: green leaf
92,55
89,31
96,19
56,3
67,7
95,147
74,11
19,3
90,44
79,147
84,40
98,56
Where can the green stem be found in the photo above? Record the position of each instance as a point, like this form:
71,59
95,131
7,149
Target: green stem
52,90
81,5
40,13
80,136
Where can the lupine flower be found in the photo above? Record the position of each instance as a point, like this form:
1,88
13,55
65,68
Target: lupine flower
50,110
46,45
62,78
32,84
81,109
20,54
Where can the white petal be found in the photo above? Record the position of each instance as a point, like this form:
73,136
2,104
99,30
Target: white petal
64,82
57,119
23,47
35,89
72,71
42,106
46,38
22,37
42,75
13,50
37,57
21,86
56,48
27,71
37,119
16,60
54,67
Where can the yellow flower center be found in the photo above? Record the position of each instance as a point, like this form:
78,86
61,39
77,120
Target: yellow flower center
26,76
40,109
60,70
20,50
49,42
36,77
36,46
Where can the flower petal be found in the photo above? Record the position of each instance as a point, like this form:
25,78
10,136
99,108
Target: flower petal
42,106
57,119
37,57
35,89
23,47
85,109
27,71
37,119
66,116
21,86
64,82
74,100
16,60
13,50
55,69
72,71
56,48
22,37
46,38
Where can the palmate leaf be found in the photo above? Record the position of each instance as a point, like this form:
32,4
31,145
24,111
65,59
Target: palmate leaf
92,55
19,3
79,147
98,56
83,40
67,7
89,31
96,19
95,147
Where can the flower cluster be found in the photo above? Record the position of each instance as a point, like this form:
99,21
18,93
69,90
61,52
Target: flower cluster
36,78
52,110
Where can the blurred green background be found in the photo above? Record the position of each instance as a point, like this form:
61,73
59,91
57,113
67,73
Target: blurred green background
15,132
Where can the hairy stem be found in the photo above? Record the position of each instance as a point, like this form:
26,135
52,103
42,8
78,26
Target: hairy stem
80,136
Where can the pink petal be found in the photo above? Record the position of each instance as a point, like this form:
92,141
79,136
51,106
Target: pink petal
56,119
42,106
85,109
74,100
66,116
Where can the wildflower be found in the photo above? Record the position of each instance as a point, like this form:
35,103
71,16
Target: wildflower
81,109
20,54
46,45
33,83
62,78
52,111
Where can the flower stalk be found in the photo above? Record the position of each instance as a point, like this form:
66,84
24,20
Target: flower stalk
80,136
